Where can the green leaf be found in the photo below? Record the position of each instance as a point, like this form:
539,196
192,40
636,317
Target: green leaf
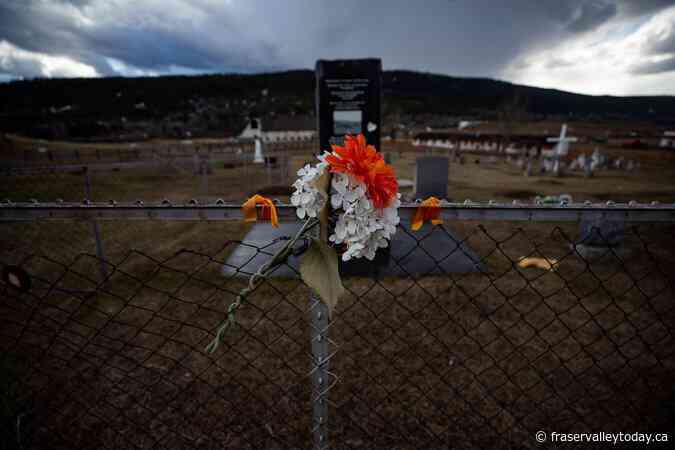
319,270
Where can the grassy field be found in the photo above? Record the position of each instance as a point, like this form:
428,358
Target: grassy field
480,359
504,181
499,181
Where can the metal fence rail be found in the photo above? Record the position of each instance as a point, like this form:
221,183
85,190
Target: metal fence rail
220,210
503,321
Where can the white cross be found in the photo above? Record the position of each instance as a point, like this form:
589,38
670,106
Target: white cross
563,142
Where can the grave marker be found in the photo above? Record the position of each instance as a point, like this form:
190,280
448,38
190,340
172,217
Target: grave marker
546,165
258,157
598,160
352,88
528,168
440,253
599,237
431,177
561,149
588,168
348,97
579,162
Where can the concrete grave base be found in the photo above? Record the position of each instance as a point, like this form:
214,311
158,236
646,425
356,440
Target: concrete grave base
594,252
429,251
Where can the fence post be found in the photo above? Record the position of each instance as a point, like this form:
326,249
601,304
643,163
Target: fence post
320,383
268,167
205,163
94,225
246,177
320,361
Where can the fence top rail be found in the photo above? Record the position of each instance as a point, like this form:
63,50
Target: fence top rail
220,210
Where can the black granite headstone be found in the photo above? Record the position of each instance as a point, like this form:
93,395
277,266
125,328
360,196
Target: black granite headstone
431,177
348,96
348,99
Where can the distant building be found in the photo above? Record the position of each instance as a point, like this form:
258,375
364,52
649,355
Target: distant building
668,140
464,124
55,110
282,128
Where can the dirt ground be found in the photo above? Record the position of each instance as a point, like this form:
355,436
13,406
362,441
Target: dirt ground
479,359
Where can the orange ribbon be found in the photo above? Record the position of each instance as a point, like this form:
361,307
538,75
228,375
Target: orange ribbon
428,210
268,211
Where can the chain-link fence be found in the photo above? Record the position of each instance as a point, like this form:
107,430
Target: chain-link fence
478,333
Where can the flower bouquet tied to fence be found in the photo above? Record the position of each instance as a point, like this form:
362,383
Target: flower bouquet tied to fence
364,197
350,194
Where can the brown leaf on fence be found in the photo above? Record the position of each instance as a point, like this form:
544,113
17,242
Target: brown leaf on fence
319,269
539,263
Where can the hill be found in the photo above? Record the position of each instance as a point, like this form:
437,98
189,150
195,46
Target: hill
216,104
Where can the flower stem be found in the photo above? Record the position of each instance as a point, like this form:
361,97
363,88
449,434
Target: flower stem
280,257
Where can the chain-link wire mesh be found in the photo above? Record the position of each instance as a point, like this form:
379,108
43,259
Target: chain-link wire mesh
466,335
120,362
487,358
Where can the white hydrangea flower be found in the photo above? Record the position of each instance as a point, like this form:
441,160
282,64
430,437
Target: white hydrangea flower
307,199
361,226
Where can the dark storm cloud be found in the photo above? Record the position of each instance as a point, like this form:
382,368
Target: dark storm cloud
157,41
459,37
639,7
660,45
25,25
665,65
592,14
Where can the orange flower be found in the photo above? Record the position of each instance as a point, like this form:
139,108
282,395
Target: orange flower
367,165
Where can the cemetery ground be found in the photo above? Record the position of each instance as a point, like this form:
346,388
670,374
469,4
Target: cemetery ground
462,357
500,181
466,357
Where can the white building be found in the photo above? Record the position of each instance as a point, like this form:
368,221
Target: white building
280,128
668,140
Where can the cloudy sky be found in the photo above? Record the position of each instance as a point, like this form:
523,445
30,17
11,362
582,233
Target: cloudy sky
618,47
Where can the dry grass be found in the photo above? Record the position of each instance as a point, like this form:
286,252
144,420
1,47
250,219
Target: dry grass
479,182
502,181
23,144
